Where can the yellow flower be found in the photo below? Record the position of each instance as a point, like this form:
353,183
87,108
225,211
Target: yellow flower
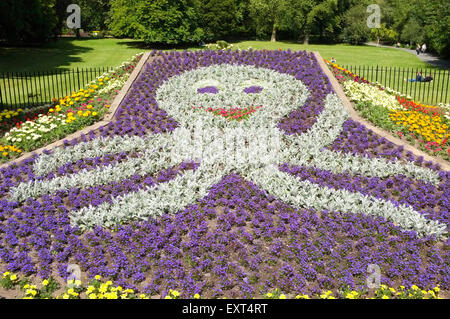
66,296
45,282
282,296
92,296
196,296
167,297
13,277
385,297
97,277
31,292
269,294
414,287
90,289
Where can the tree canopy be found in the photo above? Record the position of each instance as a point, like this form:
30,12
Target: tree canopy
194,21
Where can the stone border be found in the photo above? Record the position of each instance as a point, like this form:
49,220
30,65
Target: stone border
355,116
107,118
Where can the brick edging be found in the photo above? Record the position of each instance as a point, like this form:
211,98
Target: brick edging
355,116
106,119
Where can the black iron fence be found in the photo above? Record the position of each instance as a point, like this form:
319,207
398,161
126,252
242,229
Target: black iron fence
30,89
400,80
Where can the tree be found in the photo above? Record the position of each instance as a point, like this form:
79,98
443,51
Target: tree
123,20
412,32
157,21
355,29
383,33
307,17
94,14
267,15
437,26
27,21
218,18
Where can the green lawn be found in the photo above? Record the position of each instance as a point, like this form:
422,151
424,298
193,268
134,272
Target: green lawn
63,55
70,53
346,54
389,60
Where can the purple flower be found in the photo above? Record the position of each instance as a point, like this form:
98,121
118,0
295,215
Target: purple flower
253,89
208,89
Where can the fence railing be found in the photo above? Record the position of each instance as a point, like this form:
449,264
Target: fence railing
397,78
30,89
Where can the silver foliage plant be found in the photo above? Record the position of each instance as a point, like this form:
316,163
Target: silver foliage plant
253,148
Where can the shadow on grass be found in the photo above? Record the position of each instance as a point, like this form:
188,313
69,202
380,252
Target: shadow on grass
159,46
54,55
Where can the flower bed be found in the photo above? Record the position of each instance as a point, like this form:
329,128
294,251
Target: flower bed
332,199
424,126
31,129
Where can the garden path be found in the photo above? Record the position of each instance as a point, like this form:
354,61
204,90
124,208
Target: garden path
426,57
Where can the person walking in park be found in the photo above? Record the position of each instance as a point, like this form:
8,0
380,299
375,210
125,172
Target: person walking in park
424,48
418,49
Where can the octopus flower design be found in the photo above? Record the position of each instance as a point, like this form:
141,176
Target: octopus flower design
253,148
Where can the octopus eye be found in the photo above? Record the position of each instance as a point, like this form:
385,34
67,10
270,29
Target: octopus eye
208,89
253,89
